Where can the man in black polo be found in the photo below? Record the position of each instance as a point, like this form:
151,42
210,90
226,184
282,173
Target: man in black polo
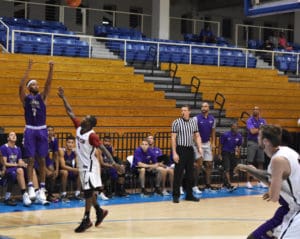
184,134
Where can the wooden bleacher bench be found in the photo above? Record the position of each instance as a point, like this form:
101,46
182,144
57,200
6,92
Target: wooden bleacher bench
107,111
245,88
105,88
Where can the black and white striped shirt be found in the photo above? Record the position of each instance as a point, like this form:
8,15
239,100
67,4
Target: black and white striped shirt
185,130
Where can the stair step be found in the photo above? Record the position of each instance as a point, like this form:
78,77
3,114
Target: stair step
148,72
294,79
168,87
142,65
182,102
182,95
161,80
225,121
214,112
100,51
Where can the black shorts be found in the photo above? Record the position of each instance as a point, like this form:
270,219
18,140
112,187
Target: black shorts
229,161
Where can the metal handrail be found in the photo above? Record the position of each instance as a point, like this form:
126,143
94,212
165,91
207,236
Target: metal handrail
153,53
173,72
260,28
7,35
221,103
88,38
244,115
195,21
196,86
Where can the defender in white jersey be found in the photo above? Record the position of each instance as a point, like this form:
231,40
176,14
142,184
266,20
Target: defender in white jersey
87,142
284,170
88,162
285,165
283,177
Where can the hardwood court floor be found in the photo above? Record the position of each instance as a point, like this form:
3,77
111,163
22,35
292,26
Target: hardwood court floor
228,217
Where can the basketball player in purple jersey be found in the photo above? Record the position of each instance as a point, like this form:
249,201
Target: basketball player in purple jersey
36,133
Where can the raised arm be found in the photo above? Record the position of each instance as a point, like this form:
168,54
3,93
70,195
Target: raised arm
48,82
22,86
61,94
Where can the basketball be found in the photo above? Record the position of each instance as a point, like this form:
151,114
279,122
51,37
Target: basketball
73,3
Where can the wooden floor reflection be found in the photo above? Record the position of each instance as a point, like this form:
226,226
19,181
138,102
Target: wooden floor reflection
232,217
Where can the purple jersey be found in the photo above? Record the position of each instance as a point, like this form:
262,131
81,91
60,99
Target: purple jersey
52,148
254,123
143,157
70,159
34,110
12,154
205,126
156,151
110,150
230,140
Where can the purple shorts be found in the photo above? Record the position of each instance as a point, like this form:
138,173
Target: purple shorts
11,173
36,142
49,162
113,173
72,176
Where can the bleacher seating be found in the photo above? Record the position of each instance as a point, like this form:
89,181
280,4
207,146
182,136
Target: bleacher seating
107,30
243,89
194,38
255,44
36,37
286,62
105,88
202,53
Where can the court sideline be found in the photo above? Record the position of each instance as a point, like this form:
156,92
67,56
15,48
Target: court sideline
218,215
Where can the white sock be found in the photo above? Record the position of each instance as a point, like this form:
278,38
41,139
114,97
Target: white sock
7,195
77,193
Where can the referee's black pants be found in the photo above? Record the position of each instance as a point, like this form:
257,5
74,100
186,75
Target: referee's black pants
185,164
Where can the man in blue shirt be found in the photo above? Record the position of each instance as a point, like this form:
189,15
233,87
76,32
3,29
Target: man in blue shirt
255,154
230,143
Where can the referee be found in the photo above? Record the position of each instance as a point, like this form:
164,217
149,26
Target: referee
184,134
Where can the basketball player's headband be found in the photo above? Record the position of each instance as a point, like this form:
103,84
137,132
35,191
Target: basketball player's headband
30,82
